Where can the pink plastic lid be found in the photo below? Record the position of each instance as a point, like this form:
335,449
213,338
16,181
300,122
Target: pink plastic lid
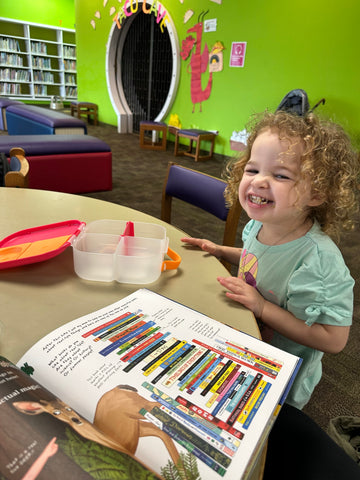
38,243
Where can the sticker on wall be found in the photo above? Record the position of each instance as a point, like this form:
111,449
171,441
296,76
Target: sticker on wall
210,25
237,55
174,120
216,62
217,1
188,15
198,65
131,8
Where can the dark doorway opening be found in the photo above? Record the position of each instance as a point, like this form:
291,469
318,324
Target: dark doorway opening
142,66
146,68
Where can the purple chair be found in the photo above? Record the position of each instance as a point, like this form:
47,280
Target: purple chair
203,191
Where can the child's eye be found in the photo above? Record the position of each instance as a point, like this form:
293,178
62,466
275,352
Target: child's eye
252,171
282,177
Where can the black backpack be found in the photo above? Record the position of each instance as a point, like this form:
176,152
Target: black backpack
296,101
4,168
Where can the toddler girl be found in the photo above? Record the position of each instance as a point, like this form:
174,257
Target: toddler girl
297,181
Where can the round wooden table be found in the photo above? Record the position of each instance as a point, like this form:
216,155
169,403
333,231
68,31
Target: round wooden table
39,297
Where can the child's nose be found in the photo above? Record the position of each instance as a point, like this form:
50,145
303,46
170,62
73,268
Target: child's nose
260,180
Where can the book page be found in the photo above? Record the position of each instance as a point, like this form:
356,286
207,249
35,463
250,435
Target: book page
164,380
43,438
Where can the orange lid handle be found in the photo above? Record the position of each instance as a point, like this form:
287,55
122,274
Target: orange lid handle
173,263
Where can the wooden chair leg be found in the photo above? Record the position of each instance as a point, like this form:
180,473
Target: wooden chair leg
166,200
190,149
166,208
176,148
197,152
212,147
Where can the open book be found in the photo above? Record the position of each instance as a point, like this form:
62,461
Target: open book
137,390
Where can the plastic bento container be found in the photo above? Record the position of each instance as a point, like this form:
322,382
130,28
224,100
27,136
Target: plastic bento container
103,250
128,252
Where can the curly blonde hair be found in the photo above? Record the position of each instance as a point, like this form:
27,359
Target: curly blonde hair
328,161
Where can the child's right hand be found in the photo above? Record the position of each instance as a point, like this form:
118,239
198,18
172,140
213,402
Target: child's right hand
205,245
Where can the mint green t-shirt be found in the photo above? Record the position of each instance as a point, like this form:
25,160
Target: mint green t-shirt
309,278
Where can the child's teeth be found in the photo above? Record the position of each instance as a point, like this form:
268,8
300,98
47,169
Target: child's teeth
258,200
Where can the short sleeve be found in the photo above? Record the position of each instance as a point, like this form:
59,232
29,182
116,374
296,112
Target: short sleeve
321,291
248,229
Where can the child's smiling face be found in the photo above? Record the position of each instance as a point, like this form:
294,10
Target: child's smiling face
271,189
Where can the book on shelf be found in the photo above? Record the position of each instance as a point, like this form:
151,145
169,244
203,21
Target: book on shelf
11,44
70,79
11,59
40,90
70,65
69,52
7,74
71,91
41,62
43,76
141,388
38,47
10,89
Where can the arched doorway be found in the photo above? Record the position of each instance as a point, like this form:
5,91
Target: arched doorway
142,66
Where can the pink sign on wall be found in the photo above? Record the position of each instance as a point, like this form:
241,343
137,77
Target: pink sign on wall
237,55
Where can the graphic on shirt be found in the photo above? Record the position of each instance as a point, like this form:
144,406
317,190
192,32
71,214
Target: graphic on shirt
248,268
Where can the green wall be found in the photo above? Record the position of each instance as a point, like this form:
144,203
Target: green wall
91,54
301,44
59,13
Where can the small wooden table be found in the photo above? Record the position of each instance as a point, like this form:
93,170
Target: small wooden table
87,109
155,128
198,136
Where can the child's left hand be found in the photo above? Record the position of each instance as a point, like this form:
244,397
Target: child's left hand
243,293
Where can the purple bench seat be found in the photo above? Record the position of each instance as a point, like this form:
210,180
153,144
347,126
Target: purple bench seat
64,163
33,120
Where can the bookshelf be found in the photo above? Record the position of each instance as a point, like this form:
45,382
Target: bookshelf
37,61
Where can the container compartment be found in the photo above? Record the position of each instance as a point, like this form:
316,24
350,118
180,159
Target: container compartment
110,227
94,255
138,260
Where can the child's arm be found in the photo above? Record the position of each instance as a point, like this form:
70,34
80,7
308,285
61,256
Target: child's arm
326,338
230,254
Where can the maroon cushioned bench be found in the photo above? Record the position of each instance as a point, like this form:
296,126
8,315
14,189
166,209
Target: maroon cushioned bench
64,163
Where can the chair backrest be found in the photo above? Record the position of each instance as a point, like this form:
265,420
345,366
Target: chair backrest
203,191
18,175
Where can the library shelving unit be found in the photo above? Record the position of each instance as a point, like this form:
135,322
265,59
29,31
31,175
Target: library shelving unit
37,61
